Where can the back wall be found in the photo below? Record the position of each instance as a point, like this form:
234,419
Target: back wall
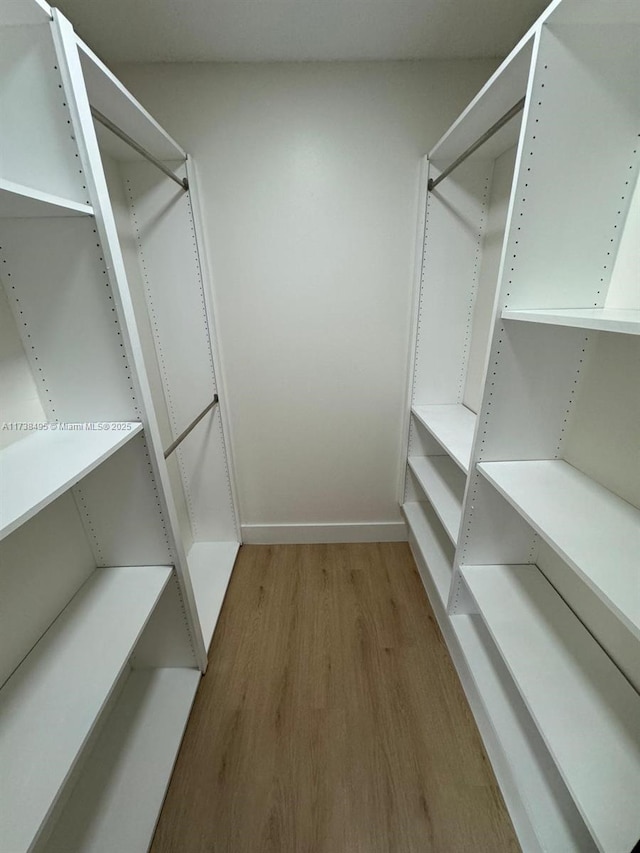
308,177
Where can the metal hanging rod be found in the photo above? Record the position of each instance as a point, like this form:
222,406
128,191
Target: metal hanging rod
194,423
515,109
98,116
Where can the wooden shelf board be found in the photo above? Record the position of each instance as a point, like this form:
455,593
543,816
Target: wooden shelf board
443,483
51,703
623,321
119,793
586,711
432,545
593,530
210,567
452,427
36,470
20,202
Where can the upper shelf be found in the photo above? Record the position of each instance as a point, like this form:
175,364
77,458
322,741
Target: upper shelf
452,427
108,95
20,202
52,702
594,531
586,711
623,321
501,92
36,470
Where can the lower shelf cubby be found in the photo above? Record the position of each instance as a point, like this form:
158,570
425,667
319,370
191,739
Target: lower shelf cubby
52,702
210,566
443,484
431,548
116,799
596,532
586,711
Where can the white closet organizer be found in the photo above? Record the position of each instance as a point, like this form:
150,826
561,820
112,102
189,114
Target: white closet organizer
104,620
522,492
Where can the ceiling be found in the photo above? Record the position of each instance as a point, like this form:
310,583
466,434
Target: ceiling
291,30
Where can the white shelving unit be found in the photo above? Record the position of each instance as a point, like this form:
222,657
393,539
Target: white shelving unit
103,634
526,324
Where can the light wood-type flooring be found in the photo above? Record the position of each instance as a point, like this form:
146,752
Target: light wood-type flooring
331,719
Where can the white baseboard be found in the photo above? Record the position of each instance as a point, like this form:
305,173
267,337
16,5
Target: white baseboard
304,534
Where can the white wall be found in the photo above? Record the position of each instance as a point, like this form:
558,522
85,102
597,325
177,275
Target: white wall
308,174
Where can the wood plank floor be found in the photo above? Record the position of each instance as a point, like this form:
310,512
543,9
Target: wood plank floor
331,719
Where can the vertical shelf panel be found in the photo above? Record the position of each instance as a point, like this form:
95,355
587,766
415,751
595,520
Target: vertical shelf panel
168,256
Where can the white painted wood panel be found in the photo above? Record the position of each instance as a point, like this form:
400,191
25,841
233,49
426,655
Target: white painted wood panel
624,287
34,108
19,201
118,796
51,703
506,86
443,484
454,228
58,295
587,713
108,95
434,551
119,503
210,567
483,309
205,480
452,427
621,320
173,289
528,777
582,72
594,531
18,389
42,566
603,435
37,470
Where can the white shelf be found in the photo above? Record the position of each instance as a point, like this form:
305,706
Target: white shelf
506,86
20,202
108,95
452,427
623,321
119,794
593,530
586,711
210,567
51,703
435,557
36,470
443,483
542,810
